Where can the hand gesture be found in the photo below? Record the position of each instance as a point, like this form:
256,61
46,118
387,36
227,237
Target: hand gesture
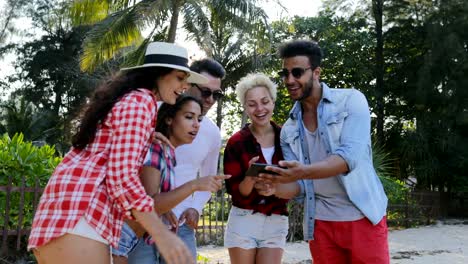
190,216
265,188
172,248
291,172
209,183
159,138
251,179
170,219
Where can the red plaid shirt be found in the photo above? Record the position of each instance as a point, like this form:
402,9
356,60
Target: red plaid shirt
240,149
101,181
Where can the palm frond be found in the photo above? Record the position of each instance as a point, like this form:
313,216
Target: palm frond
153,13
108,37
136,56
382,161
88,12
241,13
197,24
121,30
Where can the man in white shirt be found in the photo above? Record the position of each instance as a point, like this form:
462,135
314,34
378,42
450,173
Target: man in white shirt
200,158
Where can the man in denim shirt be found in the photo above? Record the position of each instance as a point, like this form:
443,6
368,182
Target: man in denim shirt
328,164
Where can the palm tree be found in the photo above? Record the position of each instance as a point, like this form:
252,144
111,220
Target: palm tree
118,24
20,116
233,46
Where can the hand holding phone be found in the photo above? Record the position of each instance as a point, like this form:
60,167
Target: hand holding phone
257,168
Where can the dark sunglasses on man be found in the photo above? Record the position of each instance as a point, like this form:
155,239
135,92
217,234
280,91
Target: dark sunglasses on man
296,72
206,92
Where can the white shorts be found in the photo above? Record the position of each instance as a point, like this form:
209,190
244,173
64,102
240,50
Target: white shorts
246,230
83,229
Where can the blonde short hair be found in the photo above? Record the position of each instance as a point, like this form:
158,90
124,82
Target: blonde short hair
253,80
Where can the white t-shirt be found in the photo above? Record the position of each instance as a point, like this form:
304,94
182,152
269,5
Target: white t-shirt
331,201
268,154
199,158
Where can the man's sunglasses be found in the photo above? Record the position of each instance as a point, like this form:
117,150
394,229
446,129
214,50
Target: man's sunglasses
205,93
296,72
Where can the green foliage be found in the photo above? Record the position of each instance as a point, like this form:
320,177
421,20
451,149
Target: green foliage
20,116
428,76
218,208
118,25
384,167
52,87
20,159
202,259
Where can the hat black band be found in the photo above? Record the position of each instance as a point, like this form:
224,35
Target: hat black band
166,59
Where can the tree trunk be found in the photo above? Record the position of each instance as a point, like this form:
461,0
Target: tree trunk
377,8
176,4
219,113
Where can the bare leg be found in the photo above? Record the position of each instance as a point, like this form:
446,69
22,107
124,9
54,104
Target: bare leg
242,256
269,256
72,249
119,259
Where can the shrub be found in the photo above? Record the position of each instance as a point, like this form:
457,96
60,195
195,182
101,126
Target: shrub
20,159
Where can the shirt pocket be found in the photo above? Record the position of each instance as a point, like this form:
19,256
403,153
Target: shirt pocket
335,124
293,141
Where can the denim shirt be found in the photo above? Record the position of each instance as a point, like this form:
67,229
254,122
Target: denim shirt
344,125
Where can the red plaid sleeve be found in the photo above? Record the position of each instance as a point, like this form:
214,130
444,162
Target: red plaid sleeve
132,128
232,166
240,148
235,157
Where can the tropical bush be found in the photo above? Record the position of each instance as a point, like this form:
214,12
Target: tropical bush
20,159
395,189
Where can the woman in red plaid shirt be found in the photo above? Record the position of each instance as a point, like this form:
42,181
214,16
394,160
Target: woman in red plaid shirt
97,184
257,225
180,124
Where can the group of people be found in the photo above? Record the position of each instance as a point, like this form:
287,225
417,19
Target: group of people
144,161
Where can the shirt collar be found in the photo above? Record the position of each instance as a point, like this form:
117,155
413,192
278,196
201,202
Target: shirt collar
326,96
326,93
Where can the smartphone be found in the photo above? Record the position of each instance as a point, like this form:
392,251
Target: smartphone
257,168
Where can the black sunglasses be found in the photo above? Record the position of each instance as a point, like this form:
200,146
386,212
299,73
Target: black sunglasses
205,93
296,72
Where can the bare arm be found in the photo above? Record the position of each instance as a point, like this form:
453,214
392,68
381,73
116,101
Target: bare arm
247,184
287,190
165,201
171,247
281,190
332,166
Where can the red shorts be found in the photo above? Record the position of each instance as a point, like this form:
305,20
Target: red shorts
350,242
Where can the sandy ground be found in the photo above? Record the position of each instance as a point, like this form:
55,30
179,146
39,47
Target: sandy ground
440,243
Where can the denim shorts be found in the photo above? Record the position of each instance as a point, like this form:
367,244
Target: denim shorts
148,254
246,230
128,241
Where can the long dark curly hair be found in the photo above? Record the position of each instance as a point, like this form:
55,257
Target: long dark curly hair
110,92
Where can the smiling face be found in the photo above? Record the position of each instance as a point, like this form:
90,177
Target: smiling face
302,87
259,105
213,86
183,128
171,85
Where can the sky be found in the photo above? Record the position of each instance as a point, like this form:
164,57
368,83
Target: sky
291,8
274,12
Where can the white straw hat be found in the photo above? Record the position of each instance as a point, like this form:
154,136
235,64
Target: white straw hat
163,54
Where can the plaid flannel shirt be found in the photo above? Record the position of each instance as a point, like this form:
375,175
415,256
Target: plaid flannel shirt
101,182
240,149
